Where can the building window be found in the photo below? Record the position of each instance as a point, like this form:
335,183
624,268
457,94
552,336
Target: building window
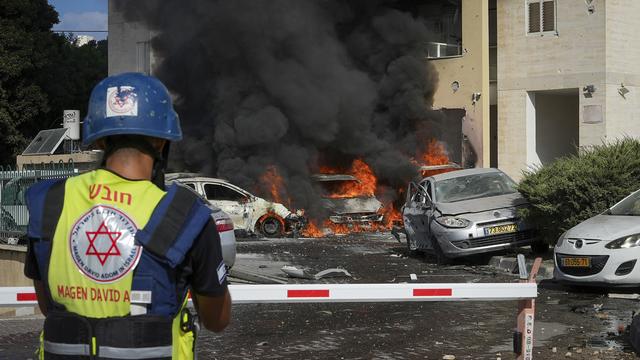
143,57
541,16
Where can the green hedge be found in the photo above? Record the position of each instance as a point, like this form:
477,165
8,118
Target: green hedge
575,188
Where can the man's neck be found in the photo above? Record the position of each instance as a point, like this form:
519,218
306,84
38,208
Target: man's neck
131,165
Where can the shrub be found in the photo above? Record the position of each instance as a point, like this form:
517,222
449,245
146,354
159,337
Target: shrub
575,188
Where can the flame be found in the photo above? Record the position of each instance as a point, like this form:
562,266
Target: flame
272,180
312,230
434,153
365,186
391,217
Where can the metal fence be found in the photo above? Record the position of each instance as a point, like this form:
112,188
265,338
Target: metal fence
13,186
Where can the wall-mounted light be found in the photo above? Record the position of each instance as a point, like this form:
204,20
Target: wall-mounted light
475,97
622,90
590,7
588,91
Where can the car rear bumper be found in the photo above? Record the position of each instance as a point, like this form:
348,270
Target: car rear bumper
228,245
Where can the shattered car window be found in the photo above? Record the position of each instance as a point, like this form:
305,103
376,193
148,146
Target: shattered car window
627,207
474,187
219,192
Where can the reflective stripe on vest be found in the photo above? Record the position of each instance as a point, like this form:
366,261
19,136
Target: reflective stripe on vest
67,349
135,353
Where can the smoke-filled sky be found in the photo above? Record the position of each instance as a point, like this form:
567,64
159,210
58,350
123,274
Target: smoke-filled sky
294,83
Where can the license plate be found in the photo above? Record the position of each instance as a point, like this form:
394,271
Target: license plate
576,262
501,229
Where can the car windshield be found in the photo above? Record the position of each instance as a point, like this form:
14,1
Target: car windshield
630,206
474,187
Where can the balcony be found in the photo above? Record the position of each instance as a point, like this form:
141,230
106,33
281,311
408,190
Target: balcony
436,50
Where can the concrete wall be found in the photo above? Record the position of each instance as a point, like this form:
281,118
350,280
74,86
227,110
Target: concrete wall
12,265
573,57
471,71
623,67
128,44
83,161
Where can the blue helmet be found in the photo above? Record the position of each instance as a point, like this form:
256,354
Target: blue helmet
131,103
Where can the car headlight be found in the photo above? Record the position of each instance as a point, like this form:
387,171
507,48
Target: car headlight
624,242
453,222
561,239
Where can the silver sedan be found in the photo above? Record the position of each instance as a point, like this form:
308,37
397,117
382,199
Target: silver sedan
466,212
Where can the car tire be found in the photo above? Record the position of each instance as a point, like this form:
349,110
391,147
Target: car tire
441,258
271,227
539,247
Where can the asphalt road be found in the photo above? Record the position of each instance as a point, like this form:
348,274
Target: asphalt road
586,325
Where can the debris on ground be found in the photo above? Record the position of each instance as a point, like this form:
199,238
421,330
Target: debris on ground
246,275
624,296
294,272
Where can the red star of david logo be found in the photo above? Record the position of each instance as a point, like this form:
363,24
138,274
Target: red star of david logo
112,236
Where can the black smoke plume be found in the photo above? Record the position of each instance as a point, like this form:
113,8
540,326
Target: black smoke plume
294,83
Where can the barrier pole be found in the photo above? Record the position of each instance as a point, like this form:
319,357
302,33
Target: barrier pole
523,337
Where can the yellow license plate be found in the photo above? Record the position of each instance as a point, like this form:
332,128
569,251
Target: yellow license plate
576,262
501,229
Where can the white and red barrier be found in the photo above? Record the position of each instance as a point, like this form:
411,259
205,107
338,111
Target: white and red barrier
314,293
524,291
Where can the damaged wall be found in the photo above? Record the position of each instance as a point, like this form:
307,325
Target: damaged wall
294,84
471,72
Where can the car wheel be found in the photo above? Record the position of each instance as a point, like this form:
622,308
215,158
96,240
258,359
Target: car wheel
441,258
539,247
271,227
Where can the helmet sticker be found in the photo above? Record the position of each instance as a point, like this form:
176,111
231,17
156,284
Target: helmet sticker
122,101
102,244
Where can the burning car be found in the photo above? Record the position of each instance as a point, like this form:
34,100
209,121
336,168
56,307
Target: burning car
466,212
346,203
249,213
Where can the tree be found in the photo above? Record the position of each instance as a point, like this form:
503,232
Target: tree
41,73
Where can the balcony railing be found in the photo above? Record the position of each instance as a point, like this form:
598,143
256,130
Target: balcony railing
436,50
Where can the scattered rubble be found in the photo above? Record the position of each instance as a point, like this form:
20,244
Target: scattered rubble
247,276
624,296
294,272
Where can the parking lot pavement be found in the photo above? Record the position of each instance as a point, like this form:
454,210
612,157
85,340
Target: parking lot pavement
583,324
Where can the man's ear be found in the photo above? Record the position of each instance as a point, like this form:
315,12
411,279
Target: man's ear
158,144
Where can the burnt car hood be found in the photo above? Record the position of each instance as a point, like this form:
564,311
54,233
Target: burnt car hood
481,204
354,205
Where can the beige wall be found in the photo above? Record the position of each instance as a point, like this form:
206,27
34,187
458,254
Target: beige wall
471,71
573,57
623,67
12,265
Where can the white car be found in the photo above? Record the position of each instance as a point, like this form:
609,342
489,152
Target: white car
603,250
248,212
224,225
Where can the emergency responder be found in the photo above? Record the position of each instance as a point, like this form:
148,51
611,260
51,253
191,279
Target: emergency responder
112,254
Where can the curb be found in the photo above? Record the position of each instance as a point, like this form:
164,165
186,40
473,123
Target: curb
510,264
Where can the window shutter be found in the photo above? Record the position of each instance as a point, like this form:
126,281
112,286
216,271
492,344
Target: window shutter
548,16
534,17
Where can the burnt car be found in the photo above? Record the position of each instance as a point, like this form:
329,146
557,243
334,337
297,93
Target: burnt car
250,214
466,212
345,208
